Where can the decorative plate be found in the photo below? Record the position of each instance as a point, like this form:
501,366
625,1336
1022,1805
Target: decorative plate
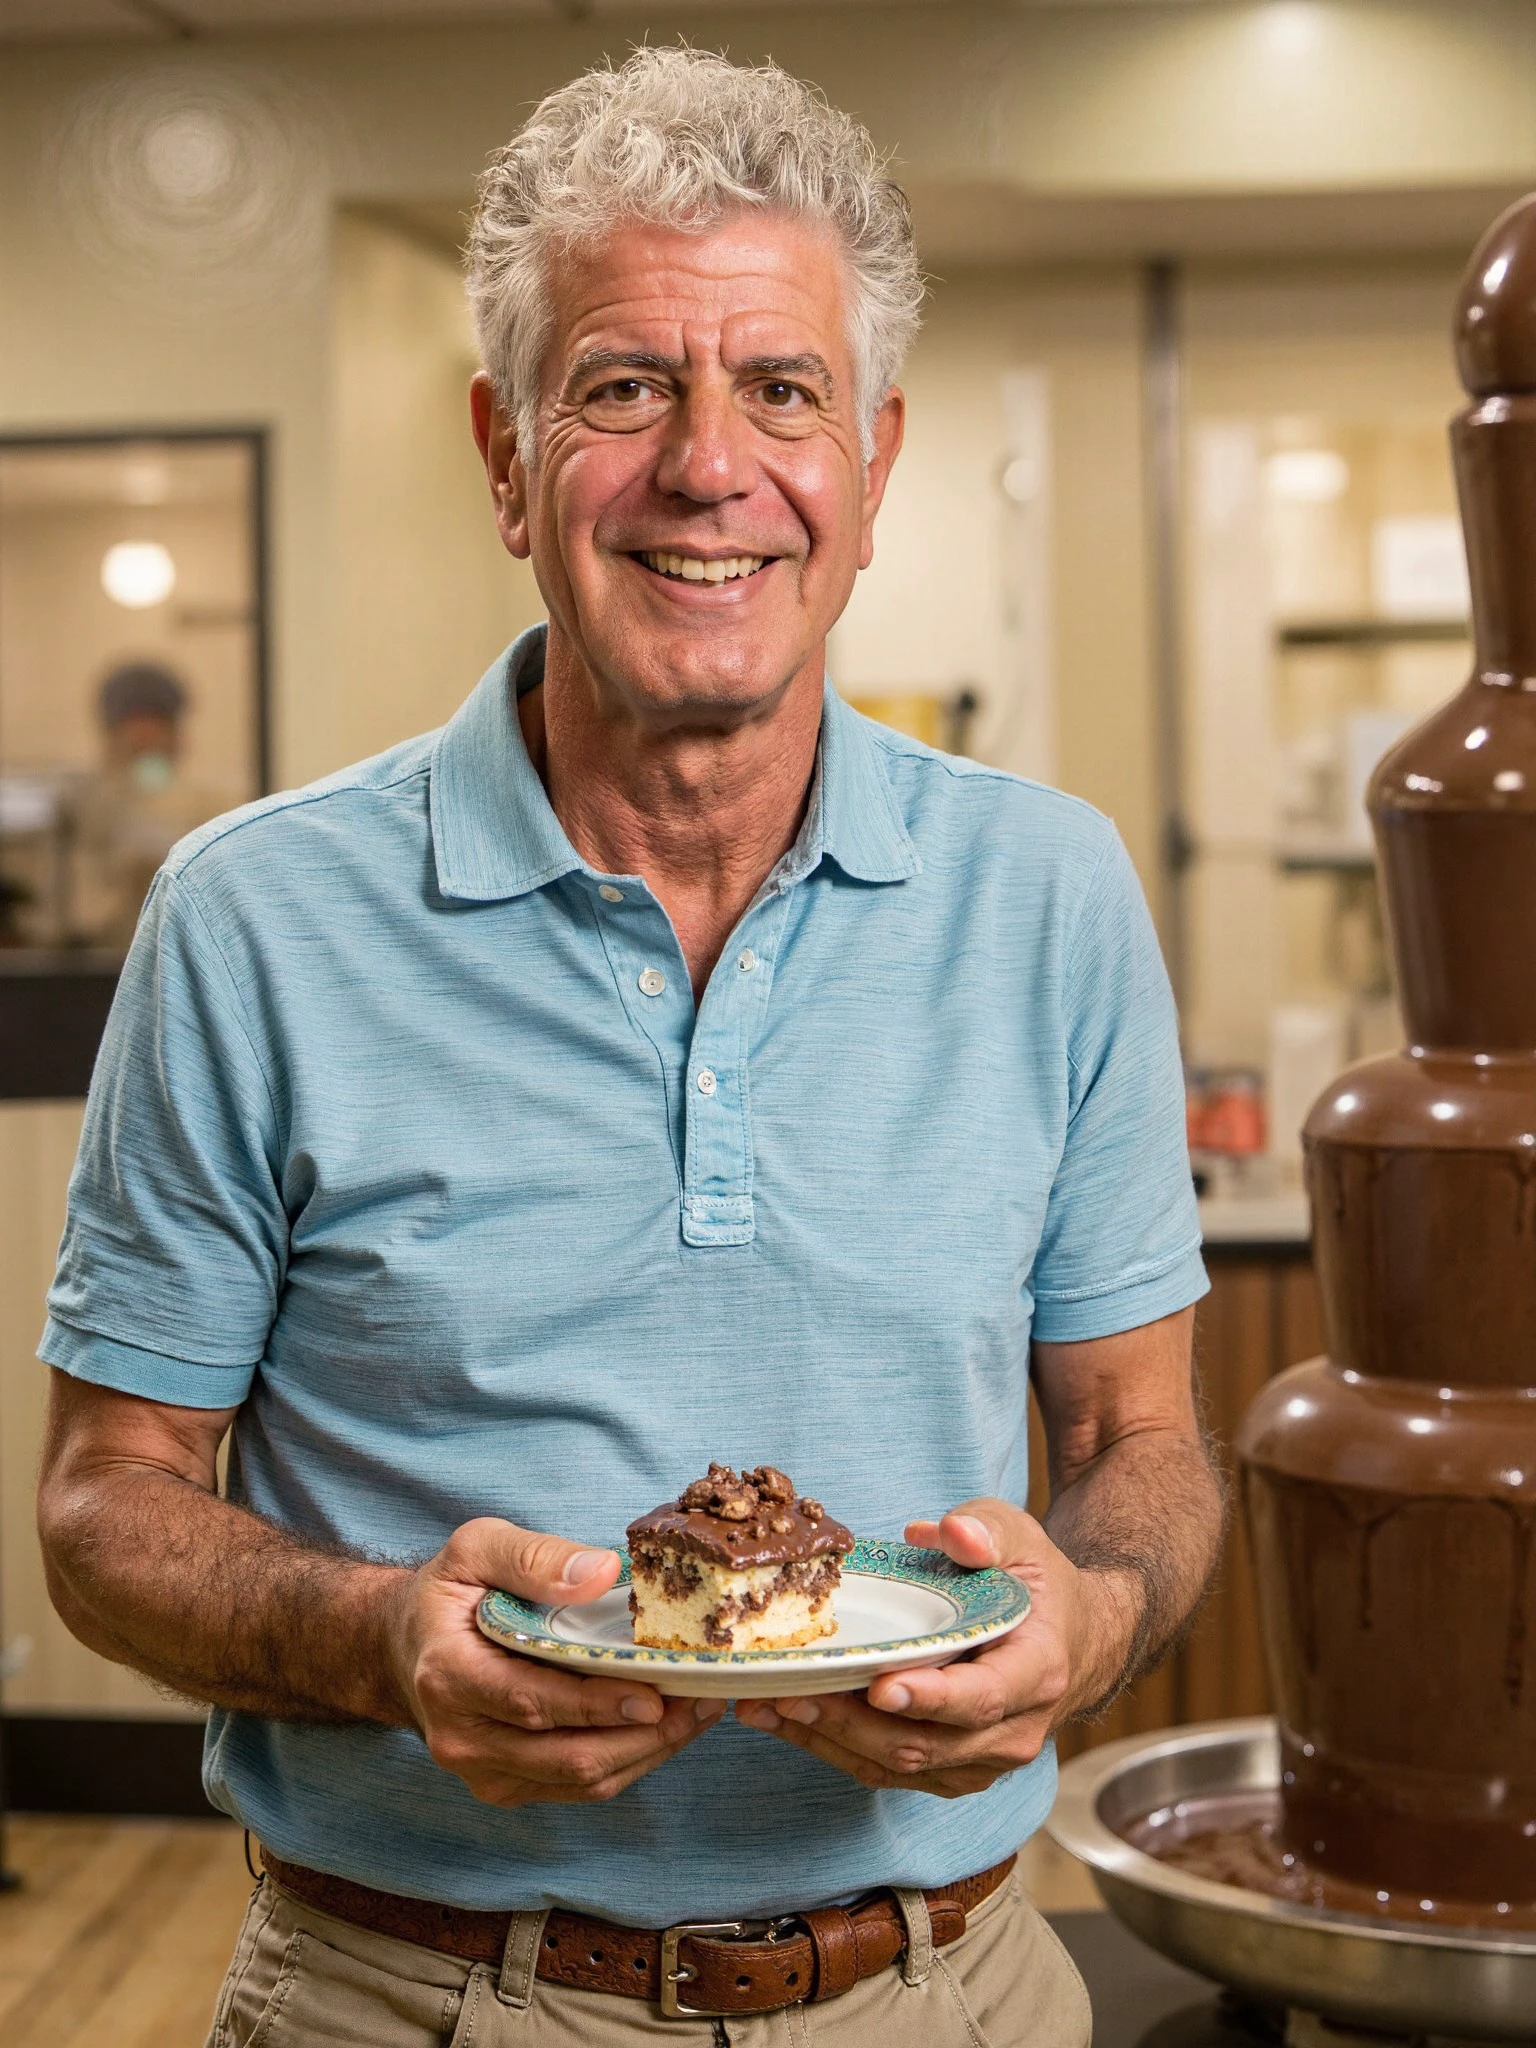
898,1608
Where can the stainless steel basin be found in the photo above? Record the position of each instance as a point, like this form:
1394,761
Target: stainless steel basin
1463,1983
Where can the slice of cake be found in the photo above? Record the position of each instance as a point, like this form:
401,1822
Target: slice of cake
736,1562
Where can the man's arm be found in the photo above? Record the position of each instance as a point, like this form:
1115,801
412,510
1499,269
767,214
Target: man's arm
148,1566
1114,1571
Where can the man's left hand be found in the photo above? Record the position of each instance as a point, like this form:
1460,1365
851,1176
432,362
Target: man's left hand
957,1728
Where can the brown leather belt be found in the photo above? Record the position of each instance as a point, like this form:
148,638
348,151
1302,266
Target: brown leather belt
735,1966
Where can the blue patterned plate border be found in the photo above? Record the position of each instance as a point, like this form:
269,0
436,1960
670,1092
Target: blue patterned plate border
971,1608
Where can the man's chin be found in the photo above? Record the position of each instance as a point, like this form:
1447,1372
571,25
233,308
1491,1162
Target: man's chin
710,679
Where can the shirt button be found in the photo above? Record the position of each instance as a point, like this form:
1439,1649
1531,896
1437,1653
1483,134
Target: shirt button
652,981
707,1081
609,894
746,959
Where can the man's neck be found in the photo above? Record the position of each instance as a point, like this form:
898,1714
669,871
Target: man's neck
702,814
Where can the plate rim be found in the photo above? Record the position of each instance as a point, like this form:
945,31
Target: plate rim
522,1626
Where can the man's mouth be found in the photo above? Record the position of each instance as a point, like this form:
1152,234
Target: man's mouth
695,569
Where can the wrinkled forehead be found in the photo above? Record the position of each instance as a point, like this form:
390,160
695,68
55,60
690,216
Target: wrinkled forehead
747,286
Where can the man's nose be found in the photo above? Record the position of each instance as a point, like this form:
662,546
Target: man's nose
707,452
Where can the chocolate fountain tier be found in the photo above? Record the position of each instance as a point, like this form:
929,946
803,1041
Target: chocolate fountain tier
1421,1170
1454,805
1394,1534
1178,1830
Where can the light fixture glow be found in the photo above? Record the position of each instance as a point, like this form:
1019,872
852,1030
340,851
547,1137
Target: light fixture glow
1495,274
138,573
1291,28
1307,476
1509,780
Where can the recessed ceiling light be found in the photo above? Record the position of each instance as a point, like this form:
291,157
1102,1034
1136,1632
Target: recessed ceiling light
138,573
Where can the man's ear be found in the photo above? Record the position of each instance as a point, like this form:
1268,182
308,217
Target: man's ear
496,438
890,425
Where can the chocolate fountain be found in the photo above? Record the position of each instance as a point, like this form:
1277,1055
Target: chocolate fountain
1371,1857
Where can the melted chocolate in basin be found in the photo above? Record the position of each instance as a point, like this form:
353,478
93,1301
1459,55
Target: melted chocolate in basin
1240,1839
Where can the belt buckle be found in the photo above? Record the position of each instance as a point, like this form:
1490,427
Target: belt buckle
674,1972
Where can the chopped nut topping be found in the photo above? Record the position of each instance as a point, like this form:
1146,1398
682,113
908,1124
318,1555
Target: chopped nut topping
812,1509
771,1483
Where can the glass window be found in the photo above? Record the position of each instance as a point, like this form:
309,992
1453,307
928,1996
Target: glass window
132,706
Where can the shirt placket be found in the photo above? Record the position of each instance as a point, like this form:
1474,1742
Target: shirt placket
717,1202
705,1055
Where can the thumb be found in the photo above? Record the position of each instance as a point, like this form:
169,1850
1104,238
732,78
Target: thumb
529,1563
983,1532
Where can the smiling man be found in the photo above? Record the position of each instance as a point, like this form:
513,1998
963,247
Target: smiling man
660,1064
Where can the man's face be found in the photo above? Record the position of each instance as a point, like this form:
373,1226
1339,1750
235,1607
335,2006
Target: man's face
699,504
141,734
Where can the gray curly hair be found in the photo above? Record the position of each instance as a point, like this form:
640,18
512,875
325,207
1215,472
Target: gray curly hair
680,138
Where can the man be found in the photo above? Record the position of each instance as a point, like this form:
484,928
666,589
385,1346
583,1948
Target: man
126,817
660,1064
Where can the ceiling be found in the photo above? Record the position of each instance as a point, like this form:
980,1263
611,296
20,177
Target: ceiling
163,20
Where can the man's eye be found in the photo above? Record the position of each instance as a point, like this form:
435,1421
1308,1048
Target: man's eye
781,395
625,389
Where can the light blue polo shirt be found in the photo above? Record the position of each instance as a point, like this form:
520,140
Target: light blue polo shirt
407,1135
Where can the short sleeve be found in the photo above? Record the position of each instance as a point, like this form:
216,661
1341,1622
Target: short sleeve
1121,1241
176,1236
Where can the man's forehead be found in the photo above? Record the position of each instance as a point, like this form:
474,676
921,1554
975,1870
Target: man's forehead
760,286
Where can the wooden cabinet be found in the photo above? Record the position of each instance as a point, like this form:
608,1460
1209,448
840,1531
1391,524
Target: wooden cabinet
1260,1316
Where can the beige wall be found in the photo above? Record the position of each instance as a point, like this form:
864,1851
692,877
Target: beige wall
426,594
931,610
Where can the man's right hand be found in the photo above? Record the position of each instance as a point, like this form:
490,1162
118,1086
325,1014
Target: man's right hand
515,1730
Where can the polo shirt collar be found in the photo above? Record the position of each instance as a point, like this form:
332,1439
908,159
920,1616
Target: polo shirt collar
853,814
495,835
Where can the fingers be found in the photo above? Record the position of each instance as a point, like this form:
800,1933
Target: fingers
900,1773
903,1742
1024,1673
528,1563
565,1764
499,1786
536,1696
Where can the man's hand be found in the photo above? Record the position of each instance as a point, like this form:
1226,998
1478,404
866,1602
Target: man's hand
1114,1572
957,1728
147,1565
515,1730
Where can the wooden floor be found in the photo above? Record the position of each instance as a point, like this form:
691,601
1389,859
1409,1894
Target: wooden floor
121,1930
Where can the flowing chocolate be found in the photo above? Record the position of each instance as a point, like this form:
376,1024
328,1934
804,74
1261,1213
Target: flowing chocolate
1390,1488
742,1519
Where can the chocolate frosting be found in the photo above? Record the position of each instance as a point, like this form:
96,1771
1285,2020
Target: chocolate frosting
751,1518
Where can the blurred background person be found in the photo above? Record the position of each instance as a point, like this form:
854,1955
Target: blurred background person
127,815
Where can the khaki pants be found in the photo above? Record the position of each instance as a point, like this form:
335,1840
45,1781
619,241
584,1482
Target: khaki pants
300,1979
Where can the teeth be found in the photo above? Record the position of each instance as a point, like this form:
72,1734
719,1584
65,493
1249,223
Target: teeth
694,569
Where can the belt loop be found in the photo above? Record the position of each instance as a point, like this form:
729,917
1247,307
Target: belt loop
520,1959
918,1960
